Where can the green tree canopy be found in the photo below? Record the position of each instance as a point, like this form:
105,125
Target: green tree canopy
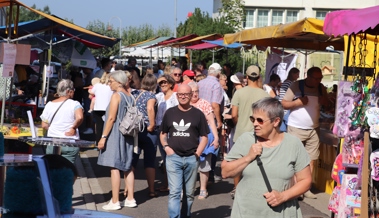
201,23
27,15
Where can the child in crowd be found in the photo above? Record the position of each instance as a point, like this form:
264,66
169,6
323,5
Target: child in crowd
91,96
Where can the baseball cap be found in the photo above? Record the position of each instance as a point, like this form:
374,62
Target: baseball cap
189,73
237,78
253,71
215,66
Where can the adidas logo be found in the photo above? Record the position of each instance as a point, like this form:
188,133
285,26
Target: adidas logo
181,127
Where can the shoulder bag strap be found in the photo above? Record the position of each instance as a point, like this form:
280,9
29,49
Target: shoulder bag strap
51,121
139,96
260,164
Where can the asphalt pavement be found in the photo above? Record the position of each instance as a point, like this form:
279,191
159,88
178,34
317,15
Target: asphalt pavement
92,190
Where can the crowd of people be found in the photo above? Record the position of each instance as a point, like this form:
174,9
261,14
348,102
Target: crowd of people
194,116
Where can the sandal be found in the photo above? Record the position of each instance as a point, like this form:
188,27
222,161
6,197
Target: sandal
203,195
153,194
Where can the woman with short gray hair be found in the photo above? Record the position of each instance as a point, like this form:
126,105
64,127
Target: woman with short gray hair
283,156
62,117
116,149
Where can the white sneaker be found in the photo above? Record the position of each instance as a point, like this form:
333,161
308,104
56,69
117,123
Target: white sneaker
112,206
130,203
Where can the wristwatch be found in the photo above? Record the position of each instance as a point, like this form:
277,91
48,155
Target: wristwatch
104,136
165,146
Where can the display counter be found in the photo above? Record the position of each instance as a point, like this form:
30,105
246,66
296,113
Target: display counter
11,134
321,176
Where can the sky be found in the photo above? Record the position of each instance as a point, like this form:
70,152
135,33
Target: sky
131,12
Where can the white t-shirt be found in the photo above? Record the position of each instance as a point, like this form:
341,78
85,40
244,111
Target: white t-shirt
103,95
163,105
64,118
306,117
268,89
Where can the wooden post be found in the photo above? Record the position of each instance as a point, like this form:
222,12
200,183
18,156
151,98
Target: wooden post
365,176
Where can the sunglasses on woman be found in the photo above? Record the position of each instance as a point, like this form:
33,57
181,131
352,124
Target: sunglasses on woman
163,82
259,120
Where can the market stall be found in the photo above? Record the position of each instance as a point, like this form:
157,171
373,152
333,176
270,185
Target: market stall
356,192
305,36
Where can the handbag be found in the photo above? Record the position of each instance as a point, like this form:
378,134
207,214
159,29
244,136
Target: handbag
264,175
51,121
132,122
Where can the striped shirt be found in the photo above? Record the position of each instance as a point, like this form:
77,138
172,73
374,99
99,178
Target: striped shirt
283,89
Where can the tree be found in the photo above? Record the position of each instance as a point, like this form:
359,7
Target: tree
129,35
27,15
234,13
201,23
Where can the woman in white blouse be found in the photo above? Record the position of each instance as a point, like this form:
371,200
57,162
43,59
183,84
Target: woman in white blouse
62,117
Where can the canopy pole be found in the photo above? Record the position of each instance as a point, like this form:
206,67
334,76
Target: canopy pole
190,59
213,56
347,57
150,58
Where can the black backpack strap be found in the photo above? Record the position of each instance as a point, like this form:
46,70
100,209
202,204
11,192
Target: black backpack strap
320,89
301,87
302,84
264,175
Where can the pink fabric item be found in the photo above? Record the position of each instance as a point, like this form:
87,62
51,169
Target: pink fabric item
338,23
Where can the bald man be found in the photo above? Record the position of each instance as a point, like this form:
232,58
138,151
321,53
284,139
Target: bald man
188,130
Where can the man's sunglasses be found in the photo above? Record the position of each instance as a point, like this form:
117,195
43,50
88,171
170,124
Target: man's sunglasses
177,74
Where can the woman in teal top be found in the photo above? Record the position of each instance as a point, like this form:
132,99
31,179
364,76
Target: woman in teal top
283,156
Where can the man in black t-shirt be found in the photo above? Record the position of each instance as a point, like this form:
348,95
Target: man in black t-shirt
183,137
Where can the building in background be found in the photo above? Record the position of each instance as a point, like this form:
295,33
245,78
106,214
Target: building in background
273,12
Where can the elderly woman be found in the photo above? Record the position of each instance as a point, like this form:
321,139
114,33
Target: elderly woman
212,146
62,117
116,150
147,139
165,100
283,156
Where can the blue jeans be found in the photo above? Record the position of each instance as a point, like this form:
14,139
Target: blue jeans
182,175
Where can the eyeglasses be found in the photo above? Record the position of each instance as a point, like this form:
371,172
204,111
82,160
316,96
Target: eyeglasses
162,82
196,91
181,95
177,74
259,120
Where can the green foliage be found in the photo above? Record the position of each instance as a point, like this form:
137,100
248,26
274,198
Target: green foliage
27,15
234,12
129,35
201,23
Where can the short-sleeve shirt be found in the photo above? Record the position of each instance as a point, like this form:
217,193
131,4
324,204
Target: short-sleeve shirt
64,118
103,95
184,129
306,117
142,103
203,106
280,163
163,105
211,90
244,99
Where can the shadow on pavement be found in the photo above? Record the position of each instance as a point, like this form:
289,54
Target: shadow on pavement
221,211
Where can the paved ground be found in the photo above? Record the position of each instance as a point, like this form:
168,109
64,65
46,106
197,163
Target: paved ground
92,191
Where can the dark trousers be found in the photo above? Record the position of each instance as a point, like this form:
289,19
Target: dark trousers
98,116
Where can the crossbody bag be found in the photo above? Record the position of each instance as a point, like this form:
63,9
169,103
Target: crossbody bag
51,121
264,175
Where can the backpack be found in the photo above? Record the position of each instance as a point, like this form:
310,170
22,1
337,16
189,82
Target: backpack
132,122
